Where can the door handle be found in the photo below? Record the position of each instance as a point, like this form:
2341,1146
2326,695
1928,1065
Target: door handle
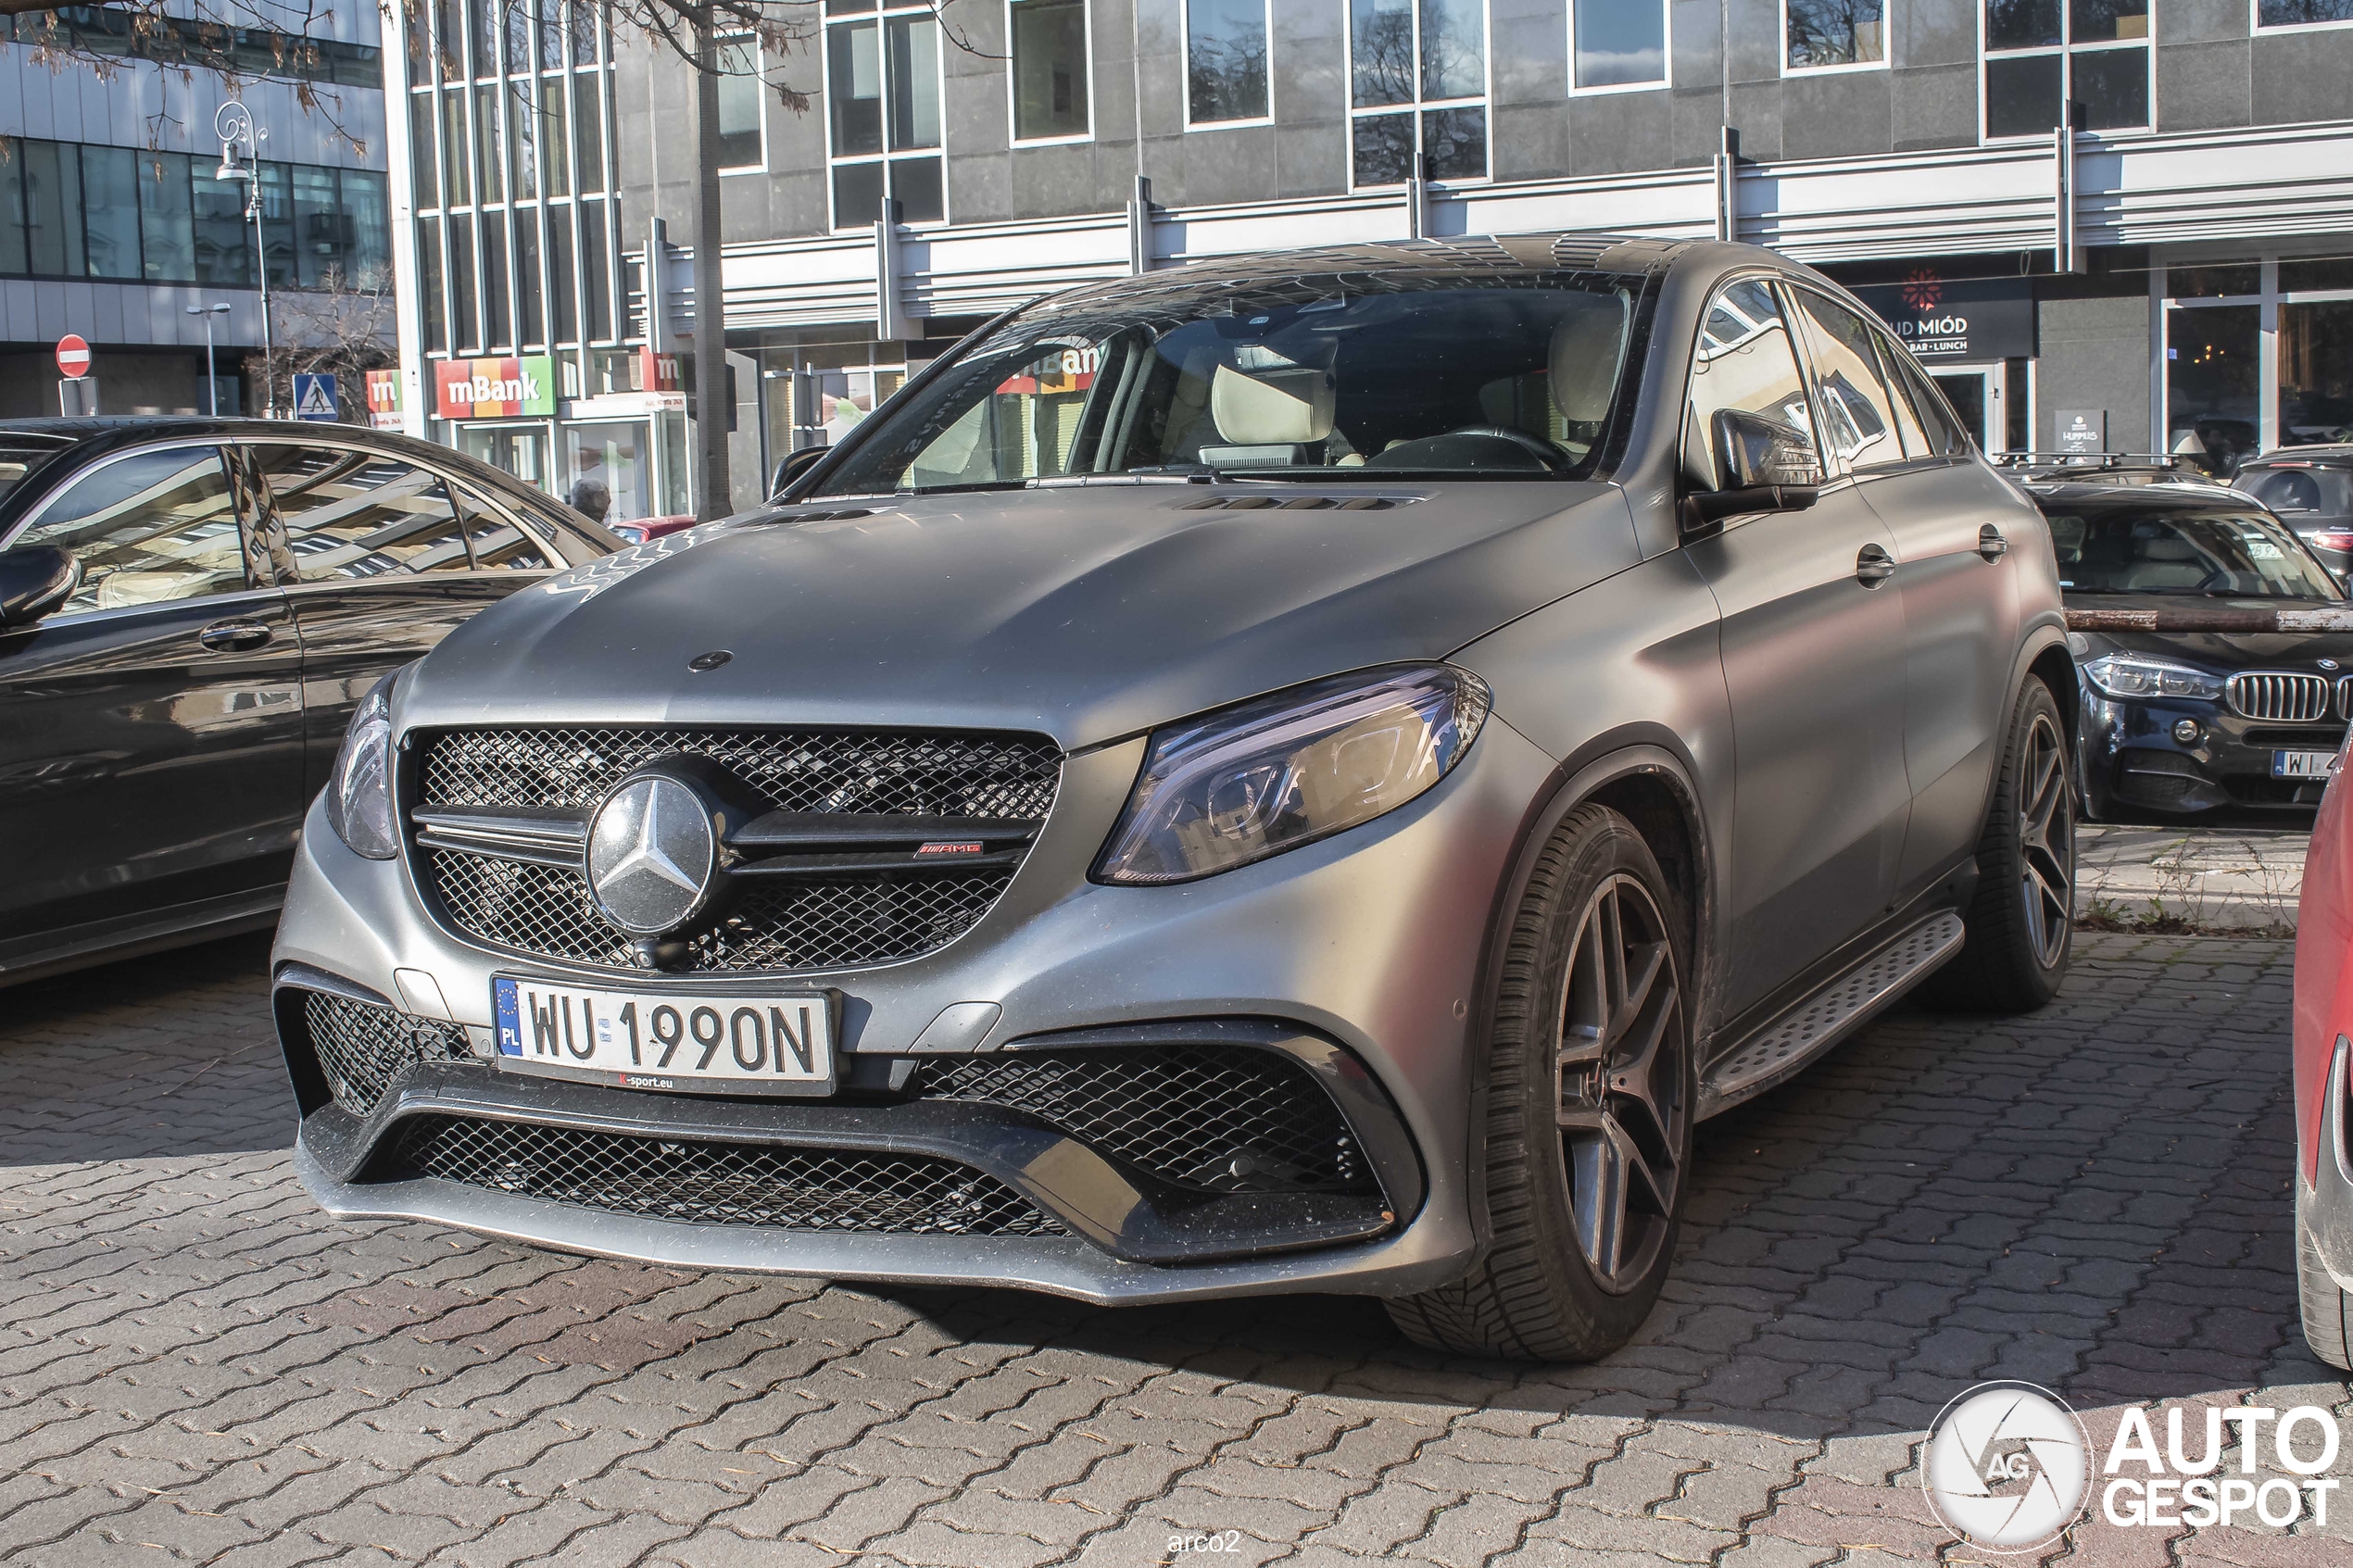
1873,566
235,636
1989,543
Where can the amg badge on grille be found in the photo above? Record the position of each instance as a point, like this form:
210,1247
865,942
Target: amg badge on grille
652,849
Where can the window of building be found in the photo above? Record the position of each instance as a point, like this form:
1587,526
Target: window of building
2041,55
742,144
71,211
1618,44
2302,13
1226,61
196,44
1826,34
1417,73
1049,77
2258,355
883,90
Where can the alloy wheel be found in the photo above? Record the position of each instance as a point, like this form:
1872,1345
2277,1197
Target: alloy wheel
2045,841
1623,1105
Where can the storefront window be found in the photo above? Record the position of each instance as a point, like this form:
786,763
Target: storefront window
609,462
521,450
2316,372
2213,403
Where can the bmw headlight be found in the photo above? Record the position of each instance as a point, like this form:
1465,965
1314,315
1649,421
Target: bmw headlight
2134,675
1286,769
360,790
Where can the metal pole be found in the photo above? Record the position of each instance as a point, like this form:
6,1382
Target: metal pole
211,374
261,259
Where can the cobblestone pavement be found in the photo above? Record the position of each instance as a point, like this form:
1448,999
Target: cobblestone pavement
195,1366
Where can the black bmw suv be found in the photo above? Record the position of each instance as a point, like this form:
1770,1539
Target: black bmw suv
2188,723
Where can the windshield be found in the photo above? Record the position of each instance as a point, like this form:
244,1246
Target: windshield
2169,552
1324,378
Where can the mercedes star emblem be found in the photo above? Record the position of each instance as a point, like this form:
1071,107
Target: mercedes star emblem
651,852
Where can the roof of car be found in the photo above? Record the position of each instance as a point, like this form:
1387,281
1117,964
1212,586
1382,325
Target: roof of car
2079,495
2333,453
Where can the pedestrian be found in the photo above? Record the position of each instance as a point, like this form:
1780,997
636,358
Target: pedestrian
591,498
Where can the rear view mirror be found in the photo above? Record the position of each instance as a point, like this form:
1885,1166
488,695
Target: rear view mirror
1757,451
792,468
34,580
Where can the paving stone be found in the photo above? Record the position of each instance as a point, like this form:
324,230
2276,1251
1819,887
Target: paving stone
197,1367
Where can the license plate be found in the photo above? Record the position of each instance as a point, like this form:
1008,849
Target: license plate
693,1044
2303,764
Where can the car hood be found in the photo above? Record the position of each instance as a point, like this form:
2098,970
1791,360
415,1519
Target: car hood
2221,652
1090,613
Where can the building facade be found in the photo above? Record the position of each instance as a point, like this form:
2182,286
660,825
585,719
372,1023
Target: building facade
113,225
2172,270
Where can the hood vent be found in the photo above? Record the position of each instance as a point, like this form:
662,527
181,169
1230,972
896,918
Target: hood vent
1350,503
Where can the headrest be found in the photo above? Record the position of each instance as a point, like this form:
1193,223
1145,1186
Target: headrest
1586,345
1291,406
2169,546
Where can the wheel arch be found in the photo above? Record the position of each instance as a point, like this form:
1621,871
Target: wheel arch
1650,781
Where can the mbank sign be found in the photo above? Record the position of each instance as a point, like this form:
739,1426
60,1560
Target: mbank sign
494,389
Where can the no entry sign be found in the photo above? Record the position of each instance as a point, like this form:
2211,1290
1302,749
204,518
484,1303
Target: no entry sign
73,356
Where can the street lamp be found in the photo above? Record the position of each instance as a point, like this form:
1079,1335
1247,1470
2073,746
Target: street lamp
211,381
238,135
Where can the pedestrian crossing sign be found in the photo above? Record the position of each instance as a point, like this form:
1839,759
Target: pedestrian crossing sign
315,398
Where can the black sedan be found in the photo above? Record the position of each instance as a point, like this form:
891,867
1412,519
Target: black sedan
2196,723
189,609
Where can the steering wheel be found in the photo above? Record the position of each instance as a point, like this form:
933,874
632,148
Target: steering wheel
1544,452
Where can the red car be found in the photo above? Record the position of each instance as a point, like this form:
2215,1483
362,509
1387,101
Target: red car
2324,1044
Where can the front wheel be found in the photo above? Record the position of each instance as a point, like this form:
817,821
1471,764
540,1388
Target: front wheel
2021,923
1588,1112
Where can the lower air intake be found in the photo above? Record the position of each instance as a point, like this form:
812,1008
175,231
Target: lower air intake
361,1046
718,1184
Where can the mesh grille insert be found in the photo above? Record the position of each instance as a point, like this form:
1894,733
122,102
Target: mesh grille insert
806,1189
819,921
361,1047
1222,1119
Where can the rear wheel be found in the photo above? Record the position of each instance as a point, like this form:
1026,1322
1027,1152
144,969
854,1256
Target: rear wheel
2328,1311
1589,1117
2021,923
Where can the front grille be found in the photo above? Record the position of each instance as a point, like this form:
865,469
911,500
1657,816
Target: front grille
362,1045
2280,697
812,920
718,1184
1221,1119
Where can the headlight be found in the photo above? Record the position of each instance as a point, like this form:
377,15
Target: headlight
2123,674
1286,769
360,790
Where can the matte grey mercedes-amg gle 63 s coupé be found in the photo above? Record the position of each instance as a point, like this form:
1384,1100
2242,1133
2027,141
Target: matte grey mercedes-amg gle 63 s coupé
1303,773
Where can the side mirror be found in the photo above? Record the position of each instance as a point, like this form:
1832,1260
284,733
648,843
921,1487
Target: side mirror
34,580
792,468
1757,451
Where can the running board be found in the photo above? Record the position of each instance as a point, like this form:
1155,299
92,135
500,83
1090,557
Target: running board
1783,1047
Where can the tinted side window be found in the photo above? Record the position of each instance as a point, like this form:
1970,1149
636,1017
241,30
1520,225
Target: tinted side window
1945,431
1858,424
357,514
149,527
497,543
1745,366
1917,442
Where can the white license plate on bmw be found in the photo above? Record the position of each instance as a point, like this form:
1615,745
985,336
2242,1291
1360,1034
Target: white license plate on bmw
2303,764
692,1043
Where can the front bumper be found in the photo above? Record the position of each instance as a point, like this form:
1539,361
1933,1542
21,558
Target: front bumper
2132,766
1368,946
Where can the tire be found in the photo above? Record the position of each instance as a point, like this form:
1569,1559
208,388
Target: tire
2022,921
2328,1311
1591,1091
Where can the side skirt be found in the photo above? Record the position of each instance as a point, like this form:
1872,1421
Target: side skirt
1785,1044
